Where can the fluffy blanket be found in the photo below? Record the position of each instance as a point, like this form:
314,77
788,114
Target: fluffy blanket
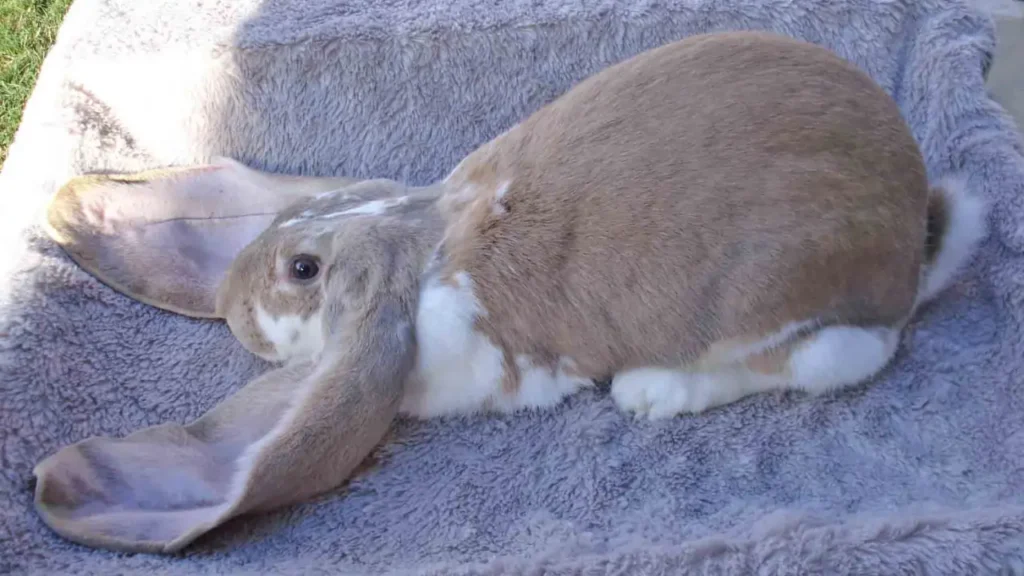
918,472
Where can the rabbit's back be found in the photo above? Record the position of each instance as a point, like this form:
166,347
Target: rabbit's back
718,188
735,202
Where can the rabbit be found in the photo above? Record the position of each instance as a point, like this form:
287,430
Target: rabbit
721,216
729,214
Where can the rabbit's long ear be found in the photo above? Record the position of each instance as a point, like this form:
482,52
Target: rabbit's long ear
288,435
166,237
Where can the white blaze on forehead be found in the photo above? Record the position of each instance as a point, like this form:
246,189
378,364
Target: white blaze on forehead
300,218
292,335
372,208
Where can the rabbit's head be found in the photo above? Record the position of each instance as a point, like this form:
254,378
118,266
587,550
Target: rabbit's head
283,290
319,273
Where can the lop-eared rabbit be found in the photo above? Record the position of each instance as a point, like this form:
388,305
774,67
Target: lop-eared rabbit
725,215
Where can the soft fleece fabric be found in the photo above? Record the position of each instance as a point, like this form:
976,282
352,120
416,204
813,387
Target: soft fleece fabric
918,472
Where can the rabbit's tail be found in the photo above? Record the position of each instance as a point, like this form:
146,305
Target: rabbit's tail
956,225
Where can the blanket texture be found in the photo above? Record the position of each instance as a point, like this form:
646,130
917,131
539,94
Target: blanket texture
921,471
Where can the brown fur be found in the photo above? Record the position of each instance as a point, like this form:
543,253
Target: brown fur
708,191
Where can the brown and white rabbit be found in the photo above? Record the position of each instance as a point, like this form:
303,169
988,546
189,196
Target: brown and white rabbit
724,215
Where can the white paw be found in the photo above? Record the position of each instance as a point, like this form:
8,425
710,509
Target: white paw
658,393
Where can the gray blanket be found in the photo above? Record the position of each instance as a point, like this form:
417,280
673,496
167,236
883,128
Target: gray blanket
921,471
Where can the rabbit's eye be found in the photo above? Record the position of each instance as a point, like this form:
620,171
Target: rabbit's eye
304,268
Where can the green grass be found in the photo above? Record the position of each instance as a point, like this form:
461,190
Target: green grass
27,29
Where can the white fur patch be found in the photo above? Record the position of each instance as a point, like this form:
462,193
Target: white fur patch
459,370
334,192
371,208
291,335
301,218
840,356
832,358
541,387
663,392
502,190
499,194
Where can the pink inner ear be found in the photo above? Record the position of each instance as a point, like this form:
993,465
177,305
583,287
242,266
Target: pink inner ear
166,238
